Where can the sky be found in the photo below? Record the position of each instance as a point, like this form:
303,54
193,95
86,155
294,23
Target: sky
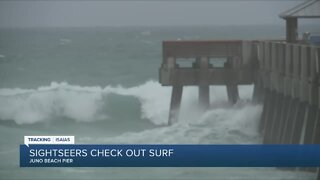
140,13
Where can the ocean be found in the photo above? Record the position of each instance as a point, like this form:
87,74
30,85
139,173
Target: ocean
101,85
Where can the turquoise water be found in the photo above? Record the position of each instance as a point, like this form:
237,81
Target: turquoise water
101,85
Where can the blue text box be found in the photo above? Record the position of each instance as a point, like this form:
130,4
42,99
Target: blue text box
171,156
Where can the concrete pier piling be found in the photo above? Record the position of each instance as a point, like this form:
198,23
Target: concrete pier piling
231,87
175,104
258,94
204,97
233,93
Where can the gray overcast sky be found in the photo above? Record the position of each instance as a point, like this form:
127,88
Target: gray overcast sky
106,13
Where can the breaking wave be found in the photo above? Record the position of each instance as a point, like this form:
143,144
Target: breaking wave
86,104
83,104
222,123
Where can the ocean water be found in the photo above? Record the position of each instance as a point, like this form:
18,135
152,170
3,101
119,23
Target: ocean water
101,85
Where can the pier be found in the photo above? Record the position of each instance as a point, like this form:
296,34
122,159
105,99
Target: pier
285,75
237,69
285,78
